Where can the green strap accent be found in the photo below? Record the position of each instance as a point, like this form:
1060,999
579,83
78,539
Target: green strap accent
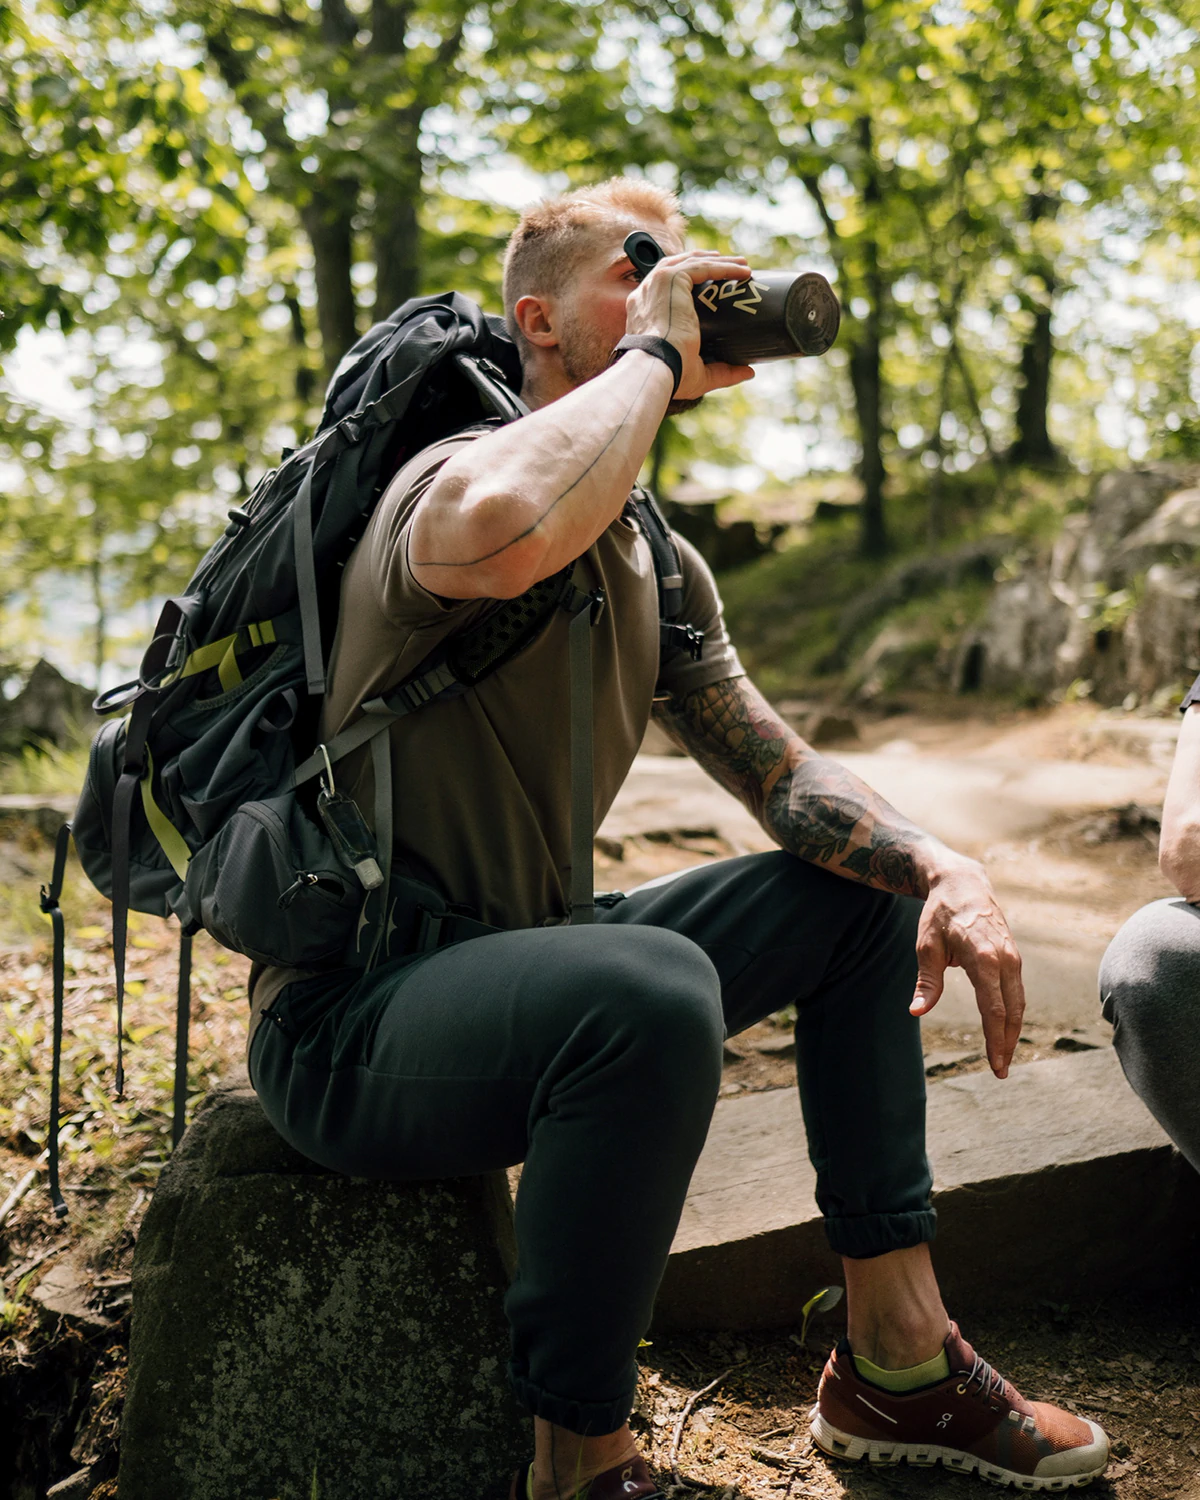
207,656
222,654
228,670
170,840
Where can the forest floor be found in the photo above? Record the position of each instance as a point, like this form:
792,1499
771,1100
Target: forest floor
1133,1365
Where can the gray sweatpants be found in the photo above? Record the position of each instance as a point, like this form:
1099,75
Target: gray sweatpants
1150,991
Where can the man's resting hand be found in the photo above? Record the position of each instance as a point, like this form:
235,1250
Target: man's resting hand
963,927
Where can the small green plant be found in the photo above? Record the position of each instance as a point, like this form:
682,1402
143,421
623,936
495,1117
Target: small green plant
14,1307
824,1301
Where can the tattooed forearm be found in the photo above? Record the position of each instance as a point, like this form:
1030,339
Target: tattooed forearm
823,813
734,734
811,806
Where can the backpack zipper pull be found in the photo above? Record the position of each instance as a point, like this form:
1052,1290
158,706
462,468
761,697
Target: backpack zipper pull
304,879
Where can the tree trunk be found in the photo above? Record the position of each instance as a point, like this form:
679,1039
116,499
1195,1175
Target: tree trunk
866,375
866,361
395,233
1032,444
397,243
305,376
328,219
658,458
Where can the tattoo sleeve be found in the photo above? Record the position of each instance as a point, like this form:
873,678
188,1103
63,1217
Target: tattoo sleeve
810,805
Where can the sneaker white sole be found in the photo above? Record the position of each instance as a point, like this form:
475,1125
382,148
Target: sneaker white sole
924,1455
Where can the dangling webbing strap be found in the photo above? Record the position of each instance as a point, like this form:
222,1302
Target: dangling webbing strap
183,1016
381,767
133,767
49,903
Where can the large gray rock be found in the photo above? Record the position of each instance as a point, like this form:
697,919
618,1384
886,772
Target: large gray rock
290,1322
49,709
1016,646
1114,604
1160,639
1054,1183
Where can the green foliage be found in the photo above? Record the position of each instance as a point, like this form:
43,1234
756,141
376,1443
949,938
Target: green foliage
797,614
103,148
211,199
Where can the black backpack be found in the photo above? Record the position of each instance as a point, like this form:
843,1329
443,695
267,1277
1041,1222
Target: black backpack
207,797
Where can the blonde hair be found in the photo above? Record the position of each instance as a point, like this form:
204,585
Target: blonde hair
554,235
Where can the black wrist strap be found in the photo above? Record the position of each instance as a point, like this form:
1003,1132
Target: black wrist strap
660,349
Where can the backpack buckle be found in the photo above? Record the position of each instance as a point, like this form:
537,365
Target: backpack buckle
598,600
683,638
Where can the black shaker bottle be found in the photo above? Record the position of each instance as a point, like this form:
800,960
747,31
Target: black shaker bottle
773,315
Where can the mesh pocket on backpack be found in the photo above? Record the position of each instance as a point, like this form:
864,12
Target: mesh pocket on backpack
269,886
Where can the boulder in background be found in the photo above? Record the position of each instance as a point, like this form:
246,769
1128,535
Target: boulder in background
49,709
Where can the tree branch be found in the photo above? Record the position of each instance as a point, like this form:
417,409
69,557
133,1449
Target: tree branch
274,22
812,185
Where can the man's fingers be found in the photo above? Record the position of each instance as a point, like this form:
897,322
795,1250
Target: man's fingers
721,375
706,267
1013,987
983,970
931,976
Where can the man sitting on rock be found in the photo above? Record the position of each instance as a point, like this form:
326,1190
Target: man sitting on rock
592,1053
1150,975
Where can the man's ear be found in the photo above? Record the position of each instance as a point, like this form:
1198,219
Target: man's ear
536,317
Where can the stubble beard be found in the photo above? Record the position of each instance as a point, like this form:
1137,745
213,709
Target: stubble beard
585,353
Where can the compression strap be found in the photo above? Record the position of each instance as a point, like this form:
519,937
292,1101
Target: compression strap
170,840
50,906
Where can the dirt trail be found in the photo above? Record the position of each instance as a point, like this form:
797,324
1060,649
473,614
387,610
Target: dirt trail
1033,795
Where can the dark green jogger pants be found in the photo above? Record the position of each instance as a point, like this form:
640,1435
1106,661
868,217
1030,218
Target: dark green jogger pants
593,1055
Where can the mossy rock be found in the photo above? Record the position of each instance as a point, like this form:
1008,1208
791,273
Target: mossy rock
289,1322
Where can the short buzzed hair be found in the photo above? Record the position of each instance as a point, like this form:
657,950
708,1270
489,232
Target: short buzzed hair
553,236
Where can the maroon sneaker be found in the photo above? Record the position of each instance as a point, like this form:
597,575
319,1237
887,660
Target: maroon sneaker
974,1422
628,1481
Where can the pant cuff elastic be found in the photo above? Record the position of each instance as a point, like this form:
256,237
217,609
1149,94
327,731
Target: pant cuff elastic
861,1236
588,1418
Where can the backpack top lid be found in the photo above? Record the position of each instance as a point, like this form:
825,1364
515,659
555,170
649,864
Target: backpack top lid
364,372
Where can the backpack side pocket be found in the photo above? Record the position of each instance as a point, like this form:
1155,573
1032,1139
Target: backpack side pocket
269,886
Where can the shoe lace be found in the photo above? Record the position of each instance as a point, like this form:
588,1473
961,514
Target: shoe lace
990,1382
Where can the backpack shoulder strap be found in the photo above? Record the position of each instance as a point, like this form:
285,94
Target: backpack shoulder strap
456,666
673,635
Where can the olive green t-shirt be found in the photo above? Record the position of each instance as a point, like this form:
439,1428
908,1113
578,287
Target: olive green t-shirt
481,783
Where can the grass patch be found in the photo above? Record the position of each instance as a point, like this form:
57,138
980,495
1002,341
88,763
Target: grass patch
44,770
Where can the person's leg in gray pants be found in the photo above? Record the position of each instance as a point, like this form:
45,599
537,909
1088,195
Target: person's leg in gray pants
1150,991
593,1054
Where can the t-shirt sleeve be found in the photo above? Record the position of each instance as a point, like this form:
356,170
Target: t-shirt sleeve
678,673
402,599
